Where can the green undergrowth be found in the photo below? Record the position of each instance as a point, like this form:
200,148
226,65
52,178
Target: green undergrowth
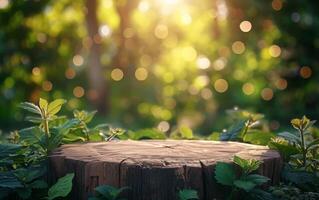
24,155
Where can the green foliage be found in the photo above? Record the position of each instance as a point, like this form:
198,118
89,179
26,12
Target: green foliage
62,188
289,192
182,132
243,129
214,136
23,163
107,192
234,132
112,133
305,148
258,137
187,194
146,134
9,180
247,166
22,160
284,147
225,174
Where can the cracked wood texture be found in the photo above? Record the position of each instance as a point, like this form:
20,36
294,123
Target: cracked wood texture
155,169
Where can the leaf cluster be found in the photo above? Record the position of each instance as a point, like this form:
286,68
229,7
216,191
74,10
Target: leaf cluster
107,192
247,181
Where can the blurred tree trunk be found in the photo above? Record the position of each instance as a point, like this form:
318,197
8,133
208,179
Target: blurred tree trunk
125,46
98,91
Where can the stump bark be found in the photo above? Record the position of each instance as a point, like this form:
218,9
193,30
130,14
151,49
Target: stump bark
155,169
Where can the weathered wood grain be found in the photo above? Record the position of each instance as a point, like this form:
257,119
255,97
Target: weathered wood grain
155,169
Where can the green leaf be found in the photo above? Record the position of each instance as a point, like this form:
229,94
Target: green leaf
24,193
285,149
147,134
234,131
4,192
225,173
7,149
39,184
257,179
43,104
26,175
186,132
62,188
248,165
214,136
9,180
313,144
70,138
55,106
30,107
187,194
244,184
95,198
299,178
258,137
109,192
31,135
258,194
290,137
89,116
33,119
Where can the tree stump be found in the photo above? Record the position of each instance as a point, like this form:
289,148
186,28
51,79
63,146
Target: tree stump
155,169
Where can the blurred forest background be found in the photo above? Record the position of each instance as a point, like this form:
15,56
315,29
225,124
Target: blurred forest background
161,63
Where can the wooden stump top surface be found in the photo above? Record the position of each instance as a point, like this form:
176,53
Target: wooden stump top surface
163,153
155,169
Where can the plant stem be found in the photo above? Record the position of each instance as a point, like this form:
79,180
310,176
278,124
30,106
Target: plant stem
231,195
304,153
86,131
47,133
246,129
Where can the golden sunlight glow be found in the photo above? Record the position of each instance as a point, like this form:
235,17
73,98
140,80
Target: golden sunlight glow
221,85
128,33
169,2
274,51
117,74
206,93
4,4
202,62
47,86
222,10
36,71
78,60
238,47
189,53
193,90
78,91
145,60
105,31
143,6
201,81
245,26
267,94
141,74
70,73
281,84
276,5
248,89
305,72
163,126
219,64
186,19
161,31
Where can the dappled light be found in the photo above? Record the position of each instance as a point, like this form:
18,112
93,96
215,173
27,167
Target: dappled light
186,58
